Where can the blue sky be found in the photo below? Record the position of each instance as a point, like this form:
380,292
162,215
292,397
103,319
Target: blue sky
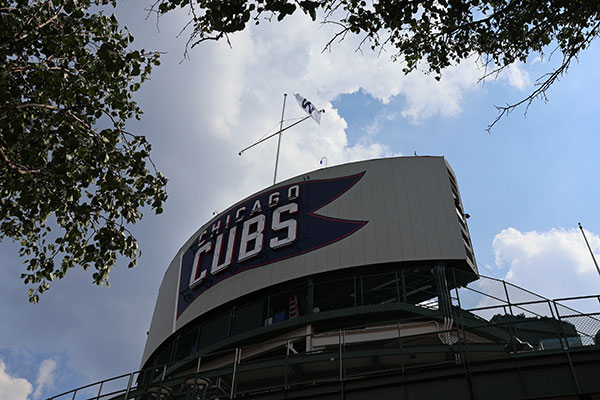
525,185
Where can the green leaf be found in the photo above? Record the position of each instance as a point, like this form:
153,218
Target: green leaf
62,167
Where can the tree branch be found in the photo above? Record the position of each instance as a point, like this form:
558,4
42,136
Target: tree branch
38,27
16,167
545,81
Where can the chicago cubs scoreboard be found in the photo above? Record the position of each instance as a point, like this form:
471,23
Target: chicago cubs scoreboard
385,215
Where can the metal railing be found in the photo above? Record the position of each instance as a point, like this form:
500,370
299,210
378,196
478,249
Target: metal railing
493,319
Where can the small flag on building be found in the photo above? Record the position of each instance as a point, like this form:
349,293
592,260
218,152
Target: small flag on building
309,108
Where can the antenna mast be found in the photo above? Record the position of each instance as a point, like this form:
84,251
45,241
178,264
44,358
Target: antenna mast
589,248
307,107
279,139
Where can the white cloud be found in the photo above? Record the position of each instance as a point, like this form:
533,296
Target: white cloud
375,126
554,263
235,94
517,76
11,387
45,377
198,115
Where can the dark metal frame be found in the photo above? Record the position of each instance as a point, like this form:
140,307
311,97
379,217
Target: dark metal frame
398,364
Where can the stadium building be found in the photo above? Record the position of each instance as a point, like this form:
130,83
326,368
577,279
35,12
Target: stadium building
352,282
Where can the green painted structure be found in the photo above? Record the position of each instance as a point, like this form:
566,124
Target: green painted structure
395,310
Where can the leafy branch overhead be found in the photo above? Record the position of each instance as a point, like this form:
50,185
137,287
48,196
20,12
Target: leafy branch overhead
432,34
71,178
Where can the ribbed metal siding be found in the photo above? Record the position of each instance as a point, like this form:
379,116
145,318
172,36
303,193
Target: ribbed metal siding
408,202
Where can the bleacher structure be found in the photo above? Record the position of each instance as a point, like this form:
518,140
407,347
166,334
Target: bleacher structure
354,282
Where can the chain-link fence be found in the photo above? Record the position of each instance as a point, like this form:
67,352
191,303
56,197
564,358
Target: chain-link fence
489,319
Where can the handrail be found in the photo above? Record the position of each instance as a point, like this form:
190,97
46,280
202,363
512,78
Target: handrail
594,316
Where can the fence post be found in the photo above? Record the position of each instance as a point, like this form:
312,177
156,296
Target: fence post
462,345
355,291
565,345
287,356
403,286
400,349
129,386
236,359
341,341
511,323
362,294
311,296
100,391
556,323
162,379
397,286
507,298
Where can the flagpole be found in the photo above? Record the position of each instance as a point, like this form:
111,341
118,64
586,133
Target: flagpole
589,248
306,106
279,140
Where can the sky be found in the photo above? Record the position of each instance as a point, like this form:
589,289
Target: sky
526,184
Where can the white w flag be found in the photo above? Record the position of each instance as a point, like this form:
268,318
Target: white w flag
309,108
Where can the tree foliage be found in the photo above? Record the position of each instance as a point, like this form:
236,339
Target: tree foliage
429,34
71,178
